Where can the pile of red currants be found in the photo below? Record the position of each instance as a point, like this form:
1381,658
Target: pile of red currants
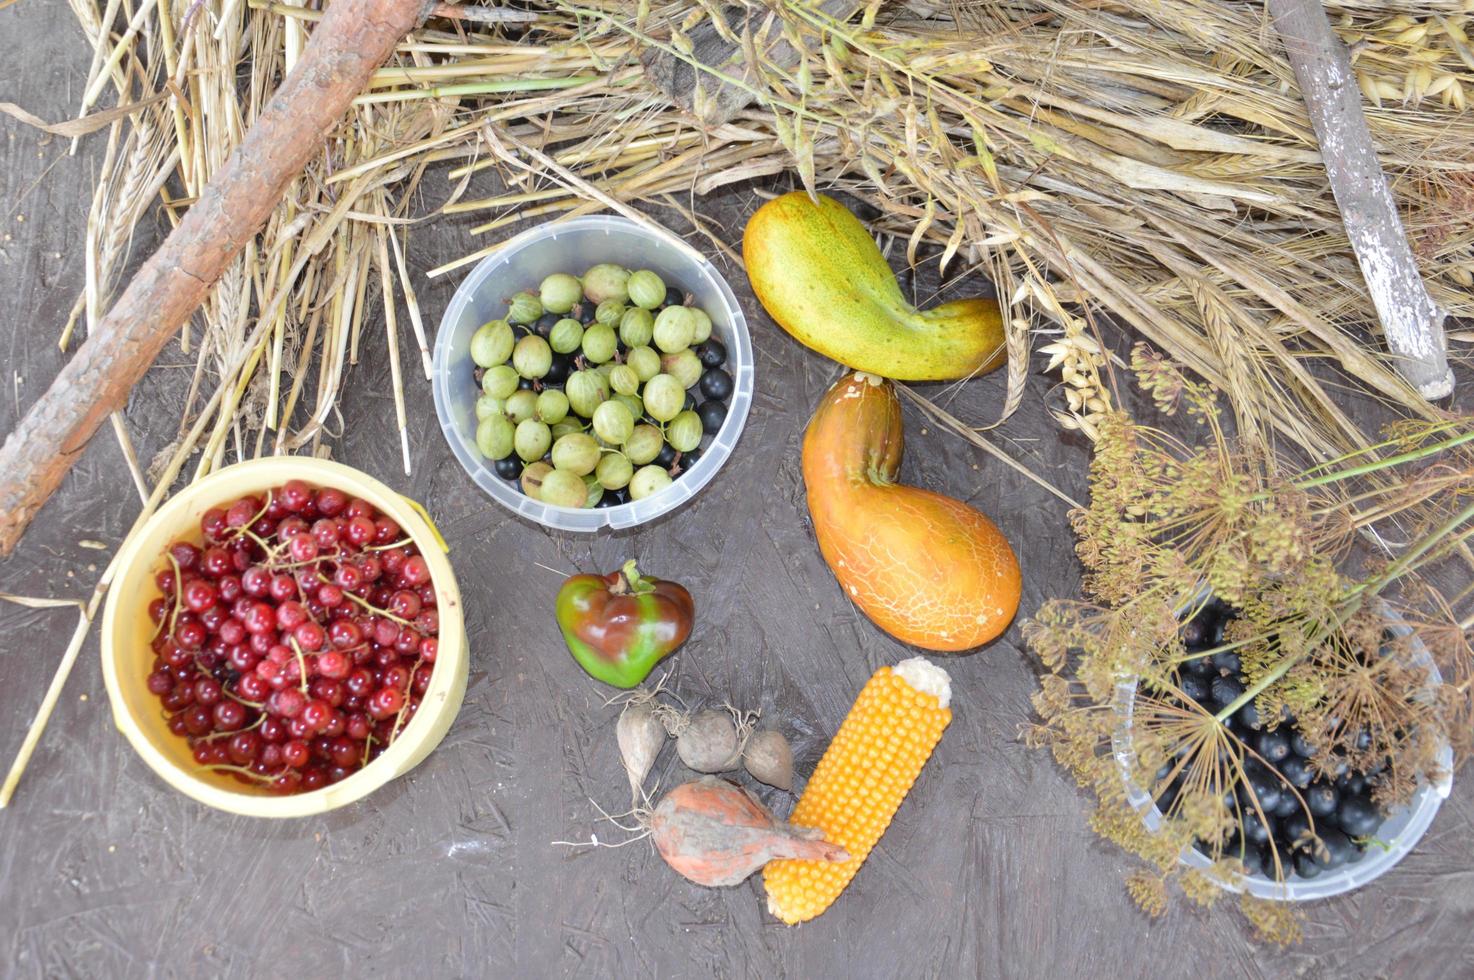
295,644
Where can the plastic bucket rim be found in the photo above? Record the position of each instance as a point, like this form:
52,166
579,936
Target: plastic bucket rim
413,743
623,515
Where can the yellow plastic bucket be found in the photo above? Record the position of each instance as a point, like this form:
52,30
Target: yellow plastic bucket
127,630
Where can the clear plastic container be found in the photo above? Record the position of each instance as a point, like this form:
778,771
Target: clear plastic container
1400,832
573,246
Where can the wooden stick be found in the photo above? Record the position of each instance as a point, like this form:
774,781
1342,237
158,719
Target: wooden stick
1410,319
350,41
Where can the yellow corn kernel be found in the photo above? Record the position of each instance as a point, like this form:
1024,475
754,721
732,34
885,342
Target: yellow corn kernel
865,774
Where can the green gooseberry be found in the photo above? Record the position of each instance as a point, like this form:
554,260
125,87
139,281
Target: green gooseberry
594,489
703,326
664,397
624,380
532,439
522,405
552,406
577,453
559,292
674,328
644,444
494,437
563,488
599,343
644,361
636,327
524,308
683,365
565,336
648,480
646,289
633,403
606,281
532,357
561,429
491,344
613,423
533,475
614,471
609,312
500,381
489,405
586,391
684,432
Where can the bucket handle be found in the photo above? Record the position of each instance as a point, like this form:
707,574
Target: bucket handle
419,508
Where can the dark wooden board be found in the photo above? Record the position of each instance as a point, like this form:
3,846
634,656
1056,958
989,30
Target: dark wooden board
989,869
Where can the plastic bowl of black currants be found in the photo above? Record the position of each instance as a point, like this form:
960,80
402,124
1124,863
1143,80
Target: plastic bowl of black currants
1330,835
593,373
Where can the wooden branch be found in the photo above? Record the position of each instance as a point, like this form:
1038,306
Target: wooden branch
353,39
704,95
1411,321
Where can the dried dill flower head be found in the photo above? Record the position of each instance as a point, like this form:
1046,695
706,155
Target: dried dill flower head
1232,611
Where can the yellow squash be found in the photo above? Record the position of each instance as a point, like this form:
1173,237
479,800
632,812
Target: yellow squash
820,275
929,570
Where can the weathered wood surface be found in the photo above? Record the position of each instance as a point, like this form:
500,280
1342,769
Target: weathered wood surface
988,871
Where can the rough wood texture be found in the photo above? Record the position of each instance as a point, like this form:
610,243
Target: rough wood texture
1412,323
988,871
350,42
708,98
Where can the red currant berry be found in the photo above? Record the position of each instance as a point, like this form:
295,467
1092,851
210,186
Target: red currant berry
272,730
185,555
189,633
283,587
330,502
200,595
315,714
252,688
360,532
385,702
229,715
416,571
260,619
290,614
295,754
309,636
256,581
242,512
244,747
295,495
213,525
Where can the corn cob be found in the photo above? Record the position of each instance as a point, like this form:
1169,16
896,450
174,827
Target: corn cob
865,774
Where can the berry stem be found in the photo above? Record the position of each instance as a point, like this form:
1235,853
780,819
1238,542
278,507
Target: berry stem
301,665
214,735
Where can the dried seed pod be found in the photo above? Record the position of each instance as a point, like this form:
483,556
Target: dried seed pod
769,759
709,743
